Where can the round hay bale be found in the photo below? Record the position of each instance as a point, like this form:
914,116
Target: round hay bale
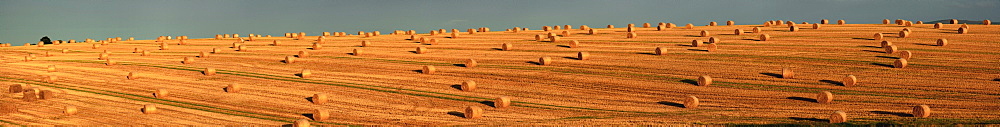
891,49
611,26
234,88
765,37
878,36
65,50
471,31
963,30
70,110
29,96
429,69
421,50
592,31
539,38
567,27
584,27
47,94
306,73
161,93
730,23
145,53
51,68
110,62
289,59
838,117
793,28
904,34
938,25
645,25
149,109
468,86
786,72
203,54
691,102
900,63
886,21
507,47
9,108
671,25
920,22
545,61
661,28
905,54
188,60
899,22
712,24
987,22
660,51
319,98
885,44
954,21
767,24
696,43
132,75
52,78
942,42
816,26
632,35
850,80
824,21
94,47
317,46
356,52
473,112
629,29
565,33
17,88
582,55
209,71
321,115
454,35
824,97
922,111
704,33
163,46
556,27
738,32
908,23
714,40
470,63
366,43
301,123
502,102
216,50
432,41
689,26
756,30
554,39
704,80
907,29
546,28
304,54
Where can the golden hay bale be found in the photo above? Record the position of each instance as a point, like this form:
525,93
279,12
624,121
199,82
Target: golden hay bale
434,32
900,63
368,35
137,50
429,69
891,49
691,102
985,22
964,26
824,97
234,88
502,102
714,40
567,27
885,21
905,54
584,27
850,80
738,32
161,93
545,61
317,46
468,85
17,88
289,59
793,28
661,28
907,30
145,53
885,44
301,123
712,24
546,28
507,47
321,115
163,46
592,31
765,37
306,73
432,41
574,44
938,25
219,36
47,94
110,62
554,39
954,21
556,27
236,45
52,68
132,75
712,47
767,24
326,33
786,72
188,60
824,21
696,43
704,33
899,22
630,25
756,30
645,25
203,54
660,51
671,25
611,26
565,33
70,110
357,52
963,30
816,26
632,35
629,29
550,34
942,42
582,55
421,50
29,96
689,26
922,111
704,80
470,63
304,54
908,23
94,47
878,36
149,109
904,34
8,108
920,22
838,117
216,50
473,112
730,23
319,98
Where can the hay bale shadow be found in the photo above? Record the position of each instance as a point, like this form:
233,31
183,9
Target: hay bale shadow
533,62
698,50
498,49
226,89
996,79
899,114
925,44
572,58
564,46
418,71
869,46
874,51
675,104
309,115
646,53
887,57
862,38
692,35
802,99
310,99
689,81
298,75
460,65
288,125
458,87
349,53
838,83
489,103
284,61
457,113
772,75
884,65
809,119
414,52
684,45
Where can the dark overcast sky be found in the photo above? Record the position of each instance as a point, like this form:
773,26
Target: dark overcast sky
24,21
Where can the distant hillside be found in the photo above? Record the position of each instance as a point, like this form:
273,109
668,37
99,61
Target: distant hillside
948,21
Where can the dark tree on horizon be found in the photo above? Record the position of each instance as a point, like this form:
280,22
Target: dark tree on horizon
46,40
